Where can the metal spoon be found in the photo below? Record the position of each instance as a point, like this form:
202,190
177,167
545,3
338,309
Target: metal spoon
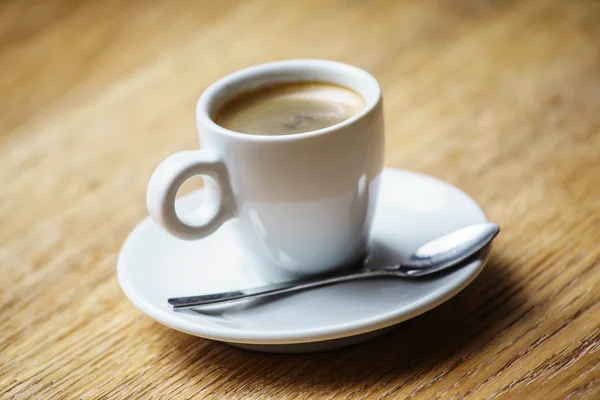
437,255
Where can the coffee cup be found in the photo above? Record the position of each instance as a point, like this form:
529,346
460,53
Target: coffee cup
300,201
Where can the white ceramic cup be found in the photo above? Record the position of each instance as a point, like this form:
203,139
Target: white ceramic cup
300,204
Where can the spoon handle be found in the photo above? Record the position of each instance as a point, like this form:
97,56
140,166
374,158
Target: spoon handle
181,303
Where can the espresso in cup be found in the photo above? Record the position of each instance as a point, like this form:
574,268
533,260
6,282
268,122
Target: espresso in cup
289,108
294,150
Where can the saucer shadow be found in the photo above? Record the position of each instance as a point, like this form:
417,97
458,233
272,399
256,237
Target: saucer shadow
451,333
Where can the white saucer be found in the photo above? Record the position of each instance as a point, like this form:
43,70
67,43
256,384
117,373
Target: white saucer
412,209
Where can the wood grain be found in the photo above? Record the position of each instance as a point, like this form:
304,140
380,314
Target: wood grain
500,98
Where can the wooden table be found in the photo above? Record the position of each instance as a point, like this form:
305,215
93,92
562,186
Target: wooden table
499,98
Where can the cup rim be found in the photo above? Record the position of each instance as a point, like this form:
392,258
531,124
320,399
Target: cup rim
269,72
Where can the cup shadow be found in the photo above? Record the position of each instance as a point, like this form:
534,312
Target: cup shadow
449,334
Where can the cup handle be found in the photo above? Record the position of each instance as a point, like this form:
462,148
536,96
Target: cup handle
168,178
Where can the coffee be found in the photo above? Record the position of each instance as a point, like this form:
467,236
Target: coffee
288,108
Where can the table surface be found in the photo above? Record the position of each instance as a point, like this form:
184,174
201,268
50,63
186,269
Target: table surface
501,98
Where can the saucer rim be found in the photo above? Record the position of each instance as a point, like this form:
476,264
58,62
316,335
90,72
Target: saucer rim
309,335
